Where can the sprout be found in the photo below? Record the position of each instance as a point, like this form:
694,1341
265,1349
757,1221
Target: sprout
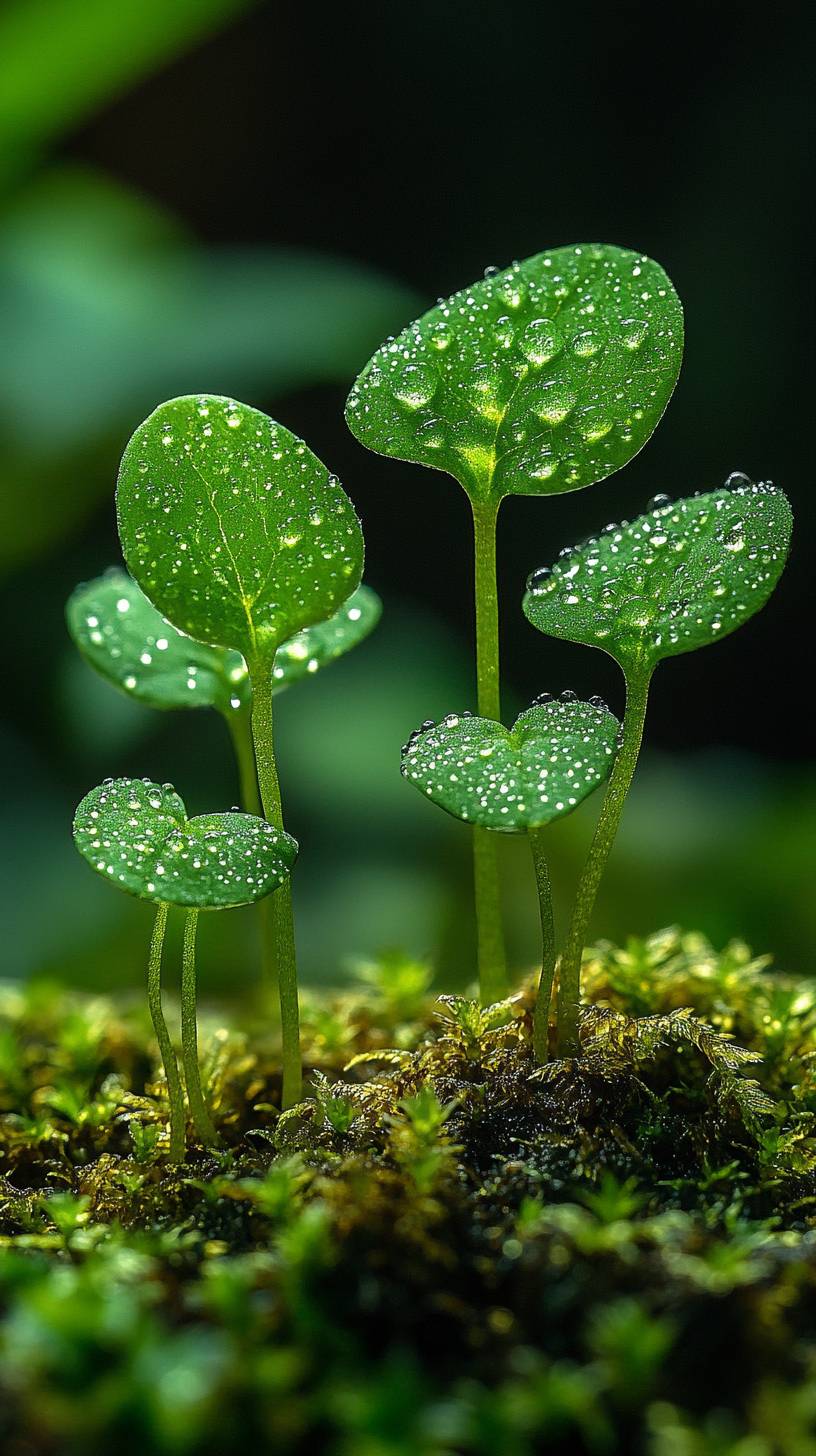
137,835
517,781
677,578
539,379
239,535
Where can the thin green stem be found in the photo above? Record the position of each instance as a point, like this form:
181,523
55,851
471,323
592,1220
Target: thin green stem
541,1012
202,1122
175,1092
569,982
239,722
281,924
491,955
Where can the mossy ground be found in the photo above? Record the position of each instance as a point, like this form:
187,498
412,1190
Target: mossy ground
445,1250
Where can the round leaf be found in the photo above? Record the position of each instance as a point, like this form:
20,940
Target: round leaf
540,379
130,643
317,646
233,528
677,578
137,834
555,754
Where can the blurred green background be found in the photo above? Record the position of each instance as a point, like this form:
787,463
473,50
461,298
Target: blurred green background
234,197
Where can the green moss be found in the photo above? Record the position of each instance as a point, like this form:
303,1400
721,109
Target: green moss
445,1249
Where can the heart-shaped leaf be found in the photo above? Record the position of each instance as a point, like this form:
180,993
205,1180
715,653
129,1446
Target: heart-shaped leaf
555,754
317,646
131,644
540,379
675,579
137,834
233,528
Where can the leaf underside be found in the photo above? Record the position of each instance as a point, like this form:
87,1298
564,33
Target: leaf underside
129,642
233,527
554,756
137,834
670,581
536,380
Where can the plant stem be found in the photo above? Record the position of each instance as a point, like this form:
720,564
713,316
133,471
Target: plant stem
240,727
202,1122
541,1013
239,722
569,987
489,934
281,924
175,1093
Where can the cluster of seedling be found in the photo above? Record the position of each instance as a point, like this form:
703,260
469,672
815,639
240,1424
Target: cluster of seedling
246,557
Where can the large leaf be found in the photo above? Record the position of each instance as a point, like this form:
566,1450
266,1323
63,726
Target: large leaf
137,834
232,527
131,644
536,380
555,754
683,575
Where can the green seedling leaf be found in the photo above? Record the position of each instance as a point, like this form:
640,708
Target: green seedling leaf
555,754
675,579
536,380
137,834
130,643
317,646
232,527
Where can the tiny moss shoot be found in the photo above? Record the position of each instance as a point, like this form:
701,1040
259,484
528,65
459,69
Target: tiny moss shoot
683,575
542,378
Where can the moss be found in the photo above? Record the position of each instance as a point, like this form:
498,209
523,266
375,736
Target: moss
445,1249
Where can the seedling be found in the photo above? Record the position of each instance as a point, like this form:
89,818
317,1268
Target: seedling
239,535
539,379
129,643
518,781
675,579
137,834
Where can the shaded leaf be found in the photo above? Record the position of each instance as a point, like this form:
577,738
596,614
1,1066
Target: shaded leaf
670,581
137,834
555,754
233,527
540,379
131,644
317,646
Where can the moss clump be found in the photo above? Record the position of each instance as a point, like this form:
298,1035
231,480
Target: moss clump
445,1249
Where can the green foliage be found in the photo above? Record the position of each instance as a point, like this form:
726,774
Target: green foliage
137,834
127,641
539,379
233,528
555,754
675,579
130,643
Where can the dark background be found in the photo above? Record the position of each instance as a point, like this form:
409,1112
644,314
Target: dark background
427,141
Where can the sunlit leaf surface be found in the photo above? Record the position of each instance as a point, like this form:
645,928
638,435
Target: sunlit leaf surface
137,834
317,646
131,644
555,754
233,527
681,576
539,379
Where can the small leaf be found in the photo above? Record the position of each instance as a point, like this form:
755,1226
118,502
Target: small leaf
233,528
555,754
673,580
130,643
137,834
540,379
317,646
